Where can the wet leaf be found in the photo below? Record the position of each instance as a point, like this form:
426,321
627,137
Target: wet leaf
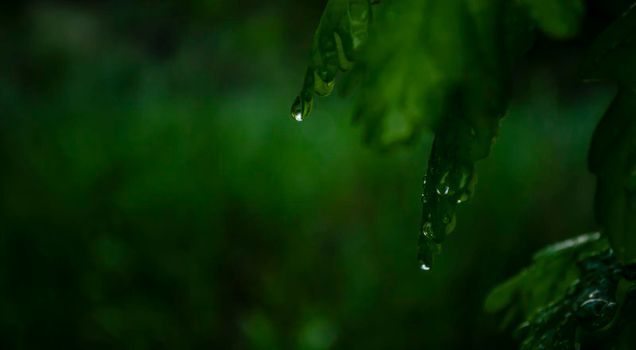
569,289
422,65
342,32
548,277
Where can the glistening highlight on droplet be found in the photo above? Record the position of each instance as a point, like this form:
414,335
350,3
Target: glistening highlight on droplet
297,109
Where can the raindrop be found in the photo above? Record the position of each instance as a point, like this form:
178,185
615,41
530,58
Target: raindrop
463,197
442,191
597,313
426,253
427,229
297,110
442,187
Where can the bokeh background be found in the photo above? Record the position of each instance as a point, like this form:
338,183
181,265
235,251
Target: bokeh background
156,194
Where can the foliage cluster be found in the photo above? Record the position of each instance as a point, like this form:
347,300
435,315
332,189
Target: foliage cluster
448,67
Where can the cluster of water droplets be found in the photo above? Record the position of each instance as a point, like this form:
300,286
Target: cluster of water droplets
445,185
465,135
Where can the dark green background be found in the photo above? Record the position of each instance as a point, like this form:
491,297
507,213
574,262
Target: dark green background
155,193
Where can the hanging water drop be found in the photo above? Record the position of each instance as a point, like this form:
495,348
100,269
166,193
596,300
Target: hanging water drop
297,110
427,250
427,230
424,267
463,197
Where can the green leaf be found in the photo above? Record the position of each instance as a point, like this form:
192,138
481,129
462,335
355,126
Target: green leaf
439,65
422,54
444,66
551,273
342,32
465,136
588,306
569,289
470,113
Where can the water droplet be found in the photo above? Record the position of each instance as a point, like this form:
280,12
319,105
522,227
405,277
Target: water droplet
442,187
302,106
597,313
297,110
443,190
427,229
465,196
427,249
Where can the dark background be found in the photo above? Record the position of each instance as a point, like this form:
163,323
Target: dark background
156,194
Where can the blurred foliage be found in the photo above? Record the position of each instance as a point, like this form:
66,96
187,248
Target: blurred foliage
153,194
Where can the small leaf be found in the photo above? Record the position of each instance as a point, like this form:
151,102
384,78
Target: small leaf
342,32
